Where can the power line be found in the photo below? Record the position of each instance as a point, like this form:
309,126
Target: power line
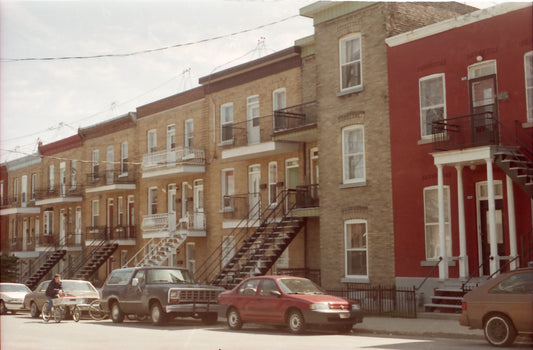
143,51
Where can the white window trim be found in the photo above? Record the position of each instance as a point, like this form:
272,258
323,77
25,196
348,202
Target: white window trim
529,108
95,164
448,211
51,180
150,199
223,123
95,212
421,108
154,138
342,40
346,249
353,181
223,188
123,158
189,134
272,182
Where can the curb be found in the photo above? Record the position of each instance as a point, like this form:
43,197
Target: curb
416,334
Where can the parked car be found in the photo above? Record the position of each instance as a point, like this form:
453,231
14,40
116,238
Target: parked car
502,307
160,292
77,288
12,297
285,300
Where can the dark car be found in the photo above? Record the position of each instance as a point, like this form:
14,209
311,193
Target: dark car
285,300
159,292
502,307
77,288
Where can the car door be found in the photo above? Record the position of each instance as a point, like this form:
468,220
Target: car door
132,299
245,295
267,304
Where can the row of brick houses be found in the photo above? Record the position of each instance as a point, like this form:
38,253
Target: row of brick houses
224,178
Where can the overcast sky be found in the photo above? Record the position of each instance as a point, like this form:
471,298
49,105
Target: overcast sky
49,99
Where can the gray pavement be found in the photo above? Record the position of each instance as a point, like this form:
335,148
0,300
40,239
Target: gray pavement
427,325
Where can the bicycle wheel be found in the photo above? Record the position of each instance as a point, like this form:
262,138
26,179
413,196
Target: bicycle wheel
76,314
58,313
96,312
46,315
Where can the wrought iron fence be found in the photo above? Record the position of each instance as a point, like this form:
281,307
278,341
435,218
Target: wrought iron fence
381,300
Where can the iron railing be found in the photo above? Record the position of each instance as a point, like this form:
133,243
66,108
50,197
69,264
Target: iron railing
172,158
110,177
295,117
307,196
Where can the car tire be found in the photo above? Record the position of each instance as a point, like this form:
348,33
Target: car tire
234,319
159,316
76,314
117,316
499,330
34,310
3,309
296,322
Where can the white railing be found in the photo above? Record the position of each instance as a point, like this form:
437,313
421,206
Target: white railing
173,157
157,222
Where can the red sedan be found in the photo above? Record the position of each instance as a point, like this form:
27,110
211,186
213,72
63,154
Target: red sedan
285,300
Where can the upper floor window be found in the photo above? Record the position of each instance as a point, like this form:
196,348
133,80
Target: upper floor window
2,193
24,189
95,164
152,200
171,137
152,140
528,69
356,246
272,182
432,102
95,213
350,62
16,190
226,123
353,154
189,129
48,224
51,177
124,158
73,173
228,188
431,221
279,101
33,185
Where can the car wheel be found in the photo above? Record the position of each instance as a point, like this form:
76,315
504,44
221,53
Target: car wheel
499,331
234,319
210,318
3,309
159,317
34,310
117,316
296,322
76,313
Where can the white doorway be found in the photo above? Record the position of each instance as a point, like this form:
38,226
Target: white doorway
254,199
199,220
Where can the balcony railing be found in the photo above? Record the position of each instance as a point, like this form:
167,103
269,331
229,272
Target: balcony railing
158,222
106,233
60,191
239,206
110,177
295,117
307,196
251,132
172,158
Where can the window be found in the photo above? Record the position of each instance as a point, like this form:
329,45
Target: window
226,123
124,158
528,69
152,141
356,243
2,193
95,213
171,137
279,101
189,129
24,189
48,224
432,102
228,188
73,173
95,164
272,182
50,177
152,200
252,108
33,185
431,220
353,154
350,62
15,190
120,212
518,283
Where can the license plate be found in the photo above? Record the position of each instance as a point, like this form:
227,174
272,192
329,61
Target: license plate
344,315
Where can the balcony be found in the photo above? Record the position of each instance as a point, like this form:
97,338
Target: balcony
296,123
111,180
253,139
61,194
15,205
106,233
177,161
307,201
159,225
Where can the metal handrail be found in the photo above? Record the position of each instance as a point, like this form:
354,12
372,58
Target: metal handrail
429,273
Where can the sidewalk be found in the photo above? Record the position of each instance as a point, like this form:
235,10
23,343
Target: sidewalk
424,325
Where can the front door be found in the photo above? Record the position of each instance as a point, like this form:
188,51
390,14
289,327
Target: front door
292,177
199,204
254,179
485,236
483,106
252,117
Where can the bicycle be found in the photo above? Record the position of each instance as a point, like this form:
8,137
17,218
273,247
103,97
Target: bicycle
60,308
94,309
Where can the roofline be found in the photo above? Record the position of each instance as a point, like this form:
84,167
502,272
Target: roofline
455,22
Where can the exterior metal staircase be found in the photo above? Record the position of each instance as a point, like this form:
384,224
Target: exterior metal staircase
45,263
256,250
96,259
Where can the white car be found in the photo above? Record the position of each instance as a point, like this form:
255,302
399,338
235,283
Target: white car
12,297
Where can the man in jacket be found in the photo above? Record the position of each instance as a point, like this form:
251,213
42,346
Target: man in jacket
54,290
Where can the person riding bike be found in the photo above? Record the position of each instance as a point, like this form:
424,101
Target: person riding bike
54,290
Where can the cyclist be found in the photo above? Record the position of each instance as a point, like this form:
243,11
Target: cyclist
54,290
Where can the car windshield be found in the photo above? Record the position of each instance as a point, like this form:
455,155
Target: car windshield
299,286
14,288
76,287
169,276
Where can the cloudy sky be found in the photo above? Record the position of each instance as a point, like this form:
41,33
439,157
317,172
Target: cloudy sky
46,98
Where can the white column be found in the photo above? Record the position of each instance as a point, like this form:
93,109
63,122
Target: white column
495,260
443,266
463,259
512,223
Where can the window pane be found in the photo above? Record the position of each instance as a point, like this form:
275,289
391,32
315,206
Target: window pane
356,236
351,75
356,263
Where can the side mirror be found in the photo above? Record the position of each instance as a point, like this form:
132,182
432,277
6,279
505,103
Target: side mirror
135,282
276,293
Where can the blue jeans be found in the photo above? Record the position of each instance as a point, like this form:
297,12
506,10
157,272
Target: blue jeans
49,307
